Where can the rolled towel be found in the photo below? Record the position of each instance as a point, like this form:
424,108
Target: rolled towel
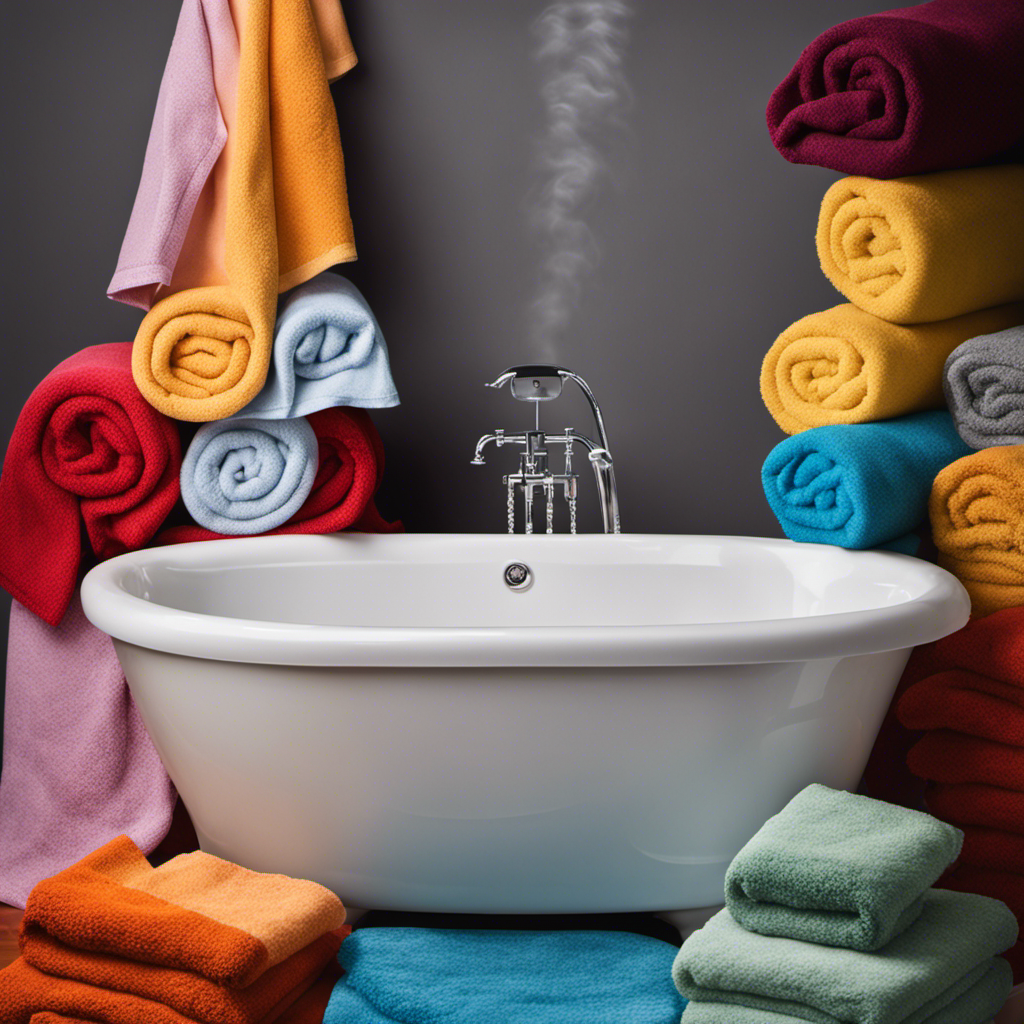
203,353
242,477
923,88
846,366
942,755
992,848
926,248
838,869
983,381
860,485
977,515
949,951
86,450
351,463
328,351
480,975
972,803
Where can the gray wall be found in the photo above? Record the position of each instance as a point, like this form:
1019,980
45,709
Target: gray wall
707,236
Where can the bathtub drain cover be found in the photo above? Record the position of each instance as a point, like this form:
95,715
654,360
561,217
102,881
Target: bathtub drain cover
518,576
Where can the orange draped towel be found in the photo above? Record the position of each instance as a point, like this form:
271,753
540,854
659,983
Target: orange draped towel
203,353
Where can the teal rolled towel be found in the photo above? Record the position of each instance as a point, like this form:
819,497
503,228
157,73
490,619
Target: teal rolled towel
838,869
860,485
943,969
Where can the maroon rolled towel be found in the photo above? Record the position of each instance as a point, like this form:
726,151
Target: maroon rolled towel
925,88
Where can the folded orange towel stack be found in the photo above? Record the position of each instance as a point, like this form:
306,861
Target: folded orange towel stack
197,940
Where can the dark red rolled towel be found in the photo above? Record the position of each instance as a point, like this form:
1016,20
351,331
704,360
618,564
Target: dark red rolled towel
351,463
917,89
974,803
87,448
942,755
992,848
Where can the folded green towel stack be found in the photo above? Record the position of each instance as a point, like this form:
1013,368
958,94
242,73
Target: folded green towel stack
839,869
830,919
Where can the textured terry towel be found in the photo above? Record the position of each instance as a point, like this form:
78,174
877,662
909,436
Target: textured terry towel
948,951
984,386
977,515
441,976
82,981
195,912
859,485
243,477
203,353
926,248
838,869
917,89
328,351
846,366
185,141
78,766
87,449
351,463
176,234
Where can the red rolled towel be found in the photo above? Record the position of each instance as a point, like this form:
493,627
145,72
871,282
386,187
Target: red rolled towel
942,755
973,803
992,848
351,463
87,448
917,89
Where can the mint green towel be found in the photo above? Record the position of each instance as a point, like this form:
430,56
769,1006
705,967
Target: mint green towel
838,869
947,954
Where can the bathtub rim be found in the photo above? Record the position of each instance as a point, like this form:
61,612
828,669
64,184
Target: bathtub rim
942,608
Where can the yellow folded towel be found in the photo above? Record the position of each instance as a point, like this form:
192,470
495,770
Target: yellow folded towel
977,514
928,247
202,354
846,366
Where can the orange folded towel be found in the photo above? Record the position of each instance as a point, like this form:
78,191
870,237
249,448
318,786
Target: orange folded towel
977,516
197,939
203,353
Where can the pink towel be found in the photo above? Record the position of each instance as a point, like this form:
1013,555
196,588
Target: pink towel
79,767
187,136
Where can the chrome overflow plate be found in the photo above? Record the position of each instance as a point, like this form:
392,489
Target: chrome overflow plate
518,576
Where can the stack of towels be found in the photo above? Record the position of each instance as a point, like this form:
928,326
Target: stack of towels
928,255
242,200
831,917
197,940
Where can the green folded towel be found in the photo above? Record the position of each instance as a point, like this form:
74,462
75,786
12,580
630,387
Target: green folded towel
838,869
946,954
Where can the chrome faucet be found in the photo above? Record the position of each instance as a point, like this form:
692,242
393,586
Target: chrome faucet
542,383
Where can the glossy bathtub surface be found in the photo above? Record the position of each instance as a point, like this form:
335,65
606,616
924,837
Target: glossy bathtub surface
595,600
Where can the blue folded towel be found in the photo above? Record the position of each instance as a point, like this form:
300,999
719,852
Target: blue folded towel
328,351
860,485
442,976
248,476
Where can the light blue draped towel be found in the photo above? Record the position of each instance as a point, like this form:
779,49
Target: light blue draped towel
248,476
328,351
860,485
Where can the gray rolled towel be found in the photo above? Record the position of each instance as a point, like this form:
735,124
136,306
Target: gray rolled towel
984,384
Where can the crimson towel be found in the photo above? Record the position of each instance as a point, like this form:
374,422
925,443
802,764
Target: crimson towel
79,767
917,89
351,462
942,755
87,448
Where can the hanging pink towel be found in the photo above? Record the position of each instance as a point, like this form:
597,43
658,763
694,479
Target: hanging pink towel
187,136
79,767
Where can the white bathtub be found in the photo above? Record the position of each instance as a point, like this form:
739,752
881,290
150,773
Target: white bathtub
384,715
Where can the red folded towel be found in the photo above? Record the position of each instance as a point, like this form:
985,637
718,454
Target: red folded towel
992,848
942,755
87,448
972,803
968,702
916,89
349,472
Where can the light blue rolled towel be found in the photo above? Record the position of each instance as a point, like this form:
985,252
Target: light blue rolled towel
942,969
242,477
328,351
860,485
449,976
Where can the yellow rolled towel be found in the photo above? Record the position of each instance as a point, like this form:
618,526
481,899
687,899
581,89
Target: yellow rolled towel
929,247
203,353
977,514
846,366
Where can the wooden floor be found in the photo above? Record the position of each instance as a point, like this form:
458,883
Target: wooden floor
10,918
